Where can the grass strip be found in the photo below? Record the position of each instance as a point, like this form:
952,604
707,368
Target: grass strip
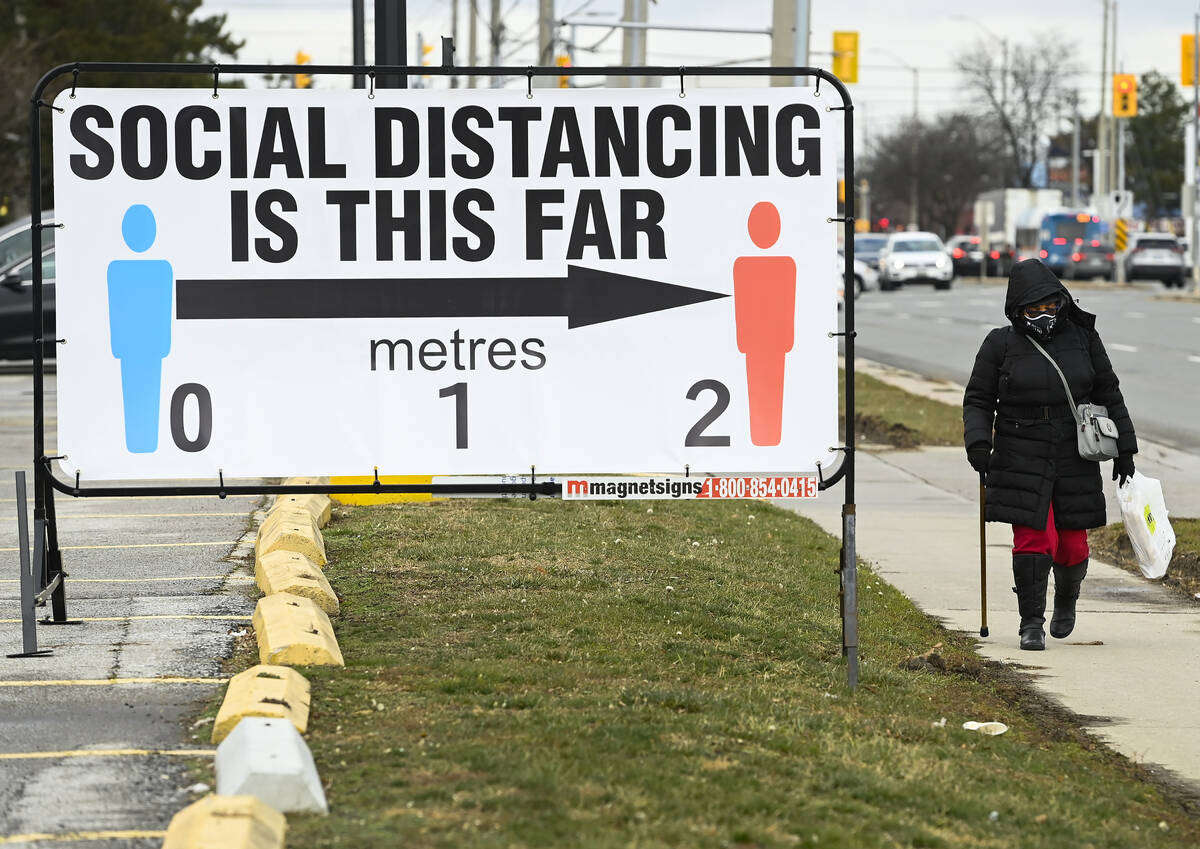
1112,545
887,415
535,674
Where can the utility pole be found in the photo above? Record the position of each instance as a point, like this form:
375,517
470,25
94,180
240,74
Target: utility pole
1100,160
633,42
1111,178
472,41
494,32
1075,152
790,22
453,35
914,215
545,42
358,30
391,41
1195,240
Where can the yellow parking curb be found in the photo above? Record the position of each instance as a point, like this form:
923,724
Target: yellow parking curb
291,532
292,572
277,692
293,631
318,506
227,822
383,497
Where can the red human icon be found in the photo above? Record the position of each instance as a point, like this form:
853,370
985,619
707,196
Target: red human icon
764,304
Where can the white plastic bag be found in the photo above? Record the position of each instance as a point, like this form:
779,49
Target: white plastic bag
1145,515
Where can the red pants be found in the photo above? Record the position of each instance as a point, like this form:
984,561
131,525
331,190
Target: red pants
1068,546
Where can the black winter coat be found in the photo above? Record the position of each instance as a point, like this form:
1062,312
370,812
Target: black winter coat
1034,458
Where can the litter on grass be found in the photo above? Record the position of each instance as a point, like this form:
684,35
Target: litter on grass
992,729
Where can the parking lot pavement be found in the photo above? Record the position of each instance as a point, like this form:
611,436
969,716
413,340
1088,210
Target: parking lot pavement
92,739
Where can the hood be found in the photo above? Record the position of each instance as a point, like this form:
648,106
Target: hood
1031,282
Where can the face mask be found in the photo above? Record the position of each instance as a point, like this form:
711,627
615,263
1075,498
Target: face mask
1041,326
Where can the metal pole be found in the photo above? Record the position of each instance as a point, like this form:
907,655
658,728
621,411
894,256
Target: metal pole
359,36
1075,154
546,45
453,36
29,586
472,41
849,562
1099,165
494,41
1195,128
391,41
1110,178
914,216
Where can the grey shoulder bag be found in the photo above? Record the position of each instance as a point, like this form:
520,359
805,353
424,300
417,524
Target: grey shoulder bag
1096,434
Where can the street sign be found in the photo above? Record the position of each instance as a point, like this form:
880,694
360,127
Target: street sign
449,282
1121,234
1187,60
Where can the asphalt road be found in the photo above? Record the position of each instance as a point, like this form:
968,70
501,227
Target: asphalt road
1153,341
162,586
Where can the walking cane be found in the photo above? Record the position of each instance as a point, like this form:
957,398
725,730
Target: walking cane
983,628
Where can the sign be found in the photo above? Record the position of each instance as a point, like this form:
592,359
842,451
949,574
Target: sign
688,488
1121,234
1187,60
1124,95
845,56
453,282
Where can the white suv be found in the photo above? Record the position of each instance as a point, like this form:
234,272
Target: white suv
914,257
1158,256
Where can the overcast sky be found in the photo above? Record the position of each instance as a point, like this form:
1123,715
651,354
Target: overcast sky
894,35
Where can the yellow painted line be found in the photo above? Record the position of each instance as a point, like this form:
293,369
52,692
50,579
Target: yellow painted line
108,753
139,545
210,515
80,836
101,682
145,580
149,616
66,499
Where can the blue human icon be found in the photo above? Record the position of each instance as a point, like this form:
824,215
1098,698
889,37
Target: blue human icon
139,319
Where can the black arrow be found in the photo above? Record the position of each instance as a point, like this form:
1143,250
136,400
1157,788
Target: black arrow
585,296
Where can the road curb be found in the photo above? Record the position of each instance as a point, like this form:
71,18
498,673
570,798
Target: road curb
292,531
320,507
268,759
274,692
283,571
293,631
228,822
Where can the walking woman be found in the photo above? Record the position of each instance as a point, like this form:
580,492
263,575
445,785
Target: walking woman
1035,478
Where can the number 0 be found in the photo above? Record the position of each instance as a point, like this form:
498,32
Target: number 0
695,436
204,405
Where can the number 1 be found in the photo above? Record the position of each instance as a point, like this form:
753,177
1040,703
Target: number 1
459,391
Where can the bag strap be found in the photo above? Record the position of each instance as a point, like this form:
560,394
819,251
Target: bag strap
1063,377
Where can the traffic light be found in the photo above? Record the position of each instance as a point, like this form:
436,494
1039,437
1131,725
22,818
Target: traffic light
302,80
841,191
845,56
1124,95
563,61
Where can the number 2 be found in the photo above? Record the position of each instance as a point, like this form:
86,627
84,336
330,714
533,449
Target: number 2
695,436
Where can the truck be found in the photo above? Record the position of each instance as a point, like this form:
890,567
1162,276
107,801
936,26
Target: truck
997,212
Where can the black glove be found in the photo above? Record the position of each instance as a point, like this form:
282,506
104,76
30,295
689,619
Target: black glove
1122,469
978,455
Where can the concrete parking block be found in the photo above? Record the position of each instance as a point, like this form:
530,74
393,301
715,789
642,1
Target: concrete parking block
306,481
292,572
319,506
268,759
226,822
290,532
276,692
293,631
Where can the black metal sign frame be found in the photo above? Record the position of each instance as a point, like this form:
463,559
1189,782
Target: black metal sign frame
49,571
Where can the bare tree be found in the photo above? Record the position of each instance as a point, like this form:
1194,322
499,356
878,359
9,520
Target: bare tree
1021,87
958,157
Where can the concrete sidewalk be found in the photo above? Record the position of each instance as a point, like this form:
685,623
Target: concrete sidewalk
1131,668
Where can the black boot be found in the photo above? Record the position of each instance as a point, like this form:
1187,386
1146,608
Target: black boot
1066,592
1031,572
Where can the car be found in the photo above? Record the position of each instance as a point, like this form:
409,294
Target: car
16,290
1089,260
1156,256
16,309
867,247
913,256
966,254
865,277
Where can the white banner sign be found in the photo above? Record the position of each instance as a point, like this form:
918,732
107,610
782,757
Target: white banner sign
445,282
